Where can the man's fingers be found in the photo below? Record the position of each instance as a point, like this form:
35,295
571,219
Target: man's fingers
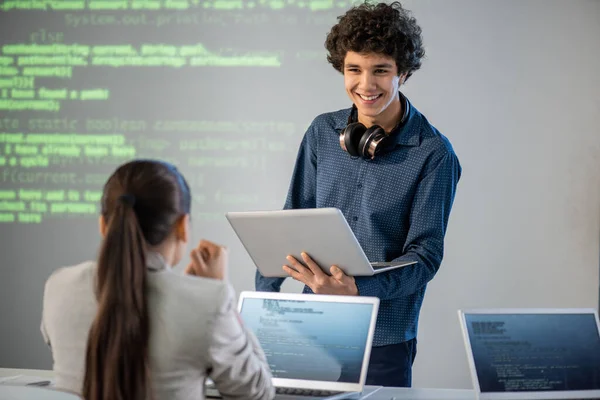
337,273
312,265
296,275
297,265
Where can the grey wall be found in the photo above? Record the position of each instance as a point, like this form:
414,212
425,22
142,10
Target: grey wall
513,84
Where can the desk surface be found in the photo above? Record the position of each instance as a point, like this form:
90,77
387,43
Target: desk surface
384,393
28,372
393,393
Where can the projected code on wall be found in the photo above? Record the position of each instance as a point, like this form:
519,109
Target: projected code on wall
87,85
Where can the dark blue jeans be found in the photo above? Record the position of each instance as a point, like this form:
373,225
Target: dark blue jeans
391,365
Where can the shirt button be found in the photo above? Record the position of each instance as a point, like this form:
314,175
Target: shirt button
354,218
359,185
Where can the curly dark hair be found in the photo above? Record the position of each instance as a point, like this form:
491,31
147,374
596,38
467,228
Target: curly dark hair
381,28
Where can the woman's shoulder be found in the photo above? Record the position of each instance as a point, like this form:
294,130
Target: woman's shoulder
190,288
70,275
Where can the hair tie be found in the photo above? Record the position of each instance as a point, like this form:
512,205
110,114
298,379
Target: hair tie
127,199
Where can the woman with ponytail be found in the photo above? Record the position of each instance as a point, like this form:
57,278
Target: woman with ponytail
127,327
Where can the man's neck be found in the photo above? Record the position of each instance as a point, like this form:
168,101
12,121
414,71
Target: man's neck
388,119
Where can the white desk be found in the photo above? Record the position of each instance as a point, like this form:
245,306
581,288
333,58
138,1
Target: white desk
17,389
384,393
8,392
24,377
4,372
390,393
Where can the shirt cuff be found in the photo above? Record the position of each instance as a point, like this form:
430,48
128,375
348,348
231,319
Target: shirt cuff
367,286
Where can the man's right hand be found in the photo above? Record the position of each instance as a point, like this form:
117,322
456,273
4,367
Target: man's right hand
208,260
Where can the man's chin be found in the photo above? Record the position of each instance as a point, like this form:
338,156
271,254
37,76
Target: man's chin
368,112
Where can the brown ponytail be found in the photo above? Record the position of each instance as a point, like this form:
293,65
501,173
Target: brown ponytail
141,203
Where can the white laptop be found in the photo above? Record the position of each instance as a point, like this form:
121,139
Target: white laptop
317,346
533,353
323,233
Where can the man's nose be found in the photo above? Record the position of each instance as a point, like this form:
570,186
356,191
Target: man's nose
367,81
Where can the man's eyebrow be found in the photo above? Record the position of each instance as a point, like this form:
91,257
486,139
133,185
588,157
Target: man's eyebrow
375,66
384,66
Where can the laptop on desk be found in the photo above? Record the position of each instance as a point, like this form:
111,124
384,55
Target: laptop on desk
533,354
317,346
323,233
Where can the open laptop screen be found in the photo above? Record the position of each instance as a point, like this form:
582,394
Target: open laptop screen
535,352
310,340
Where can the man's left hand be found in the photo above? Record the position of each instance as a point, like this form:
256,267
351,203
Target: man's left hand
319,282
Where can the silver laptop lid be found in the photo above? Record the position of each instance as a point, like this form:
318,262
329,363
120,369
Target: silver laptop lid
270,236
533,353
313,341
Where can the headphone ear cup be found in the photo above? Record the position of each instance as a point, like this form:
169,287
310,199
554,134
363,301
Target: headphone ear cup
373,133
351,137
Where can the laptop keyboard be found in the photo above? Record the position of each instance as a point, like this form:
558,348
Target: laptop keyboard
211,392
305,392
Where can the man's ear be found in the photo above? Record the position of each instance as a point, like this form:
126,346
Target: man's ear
403,77
182,228
102,225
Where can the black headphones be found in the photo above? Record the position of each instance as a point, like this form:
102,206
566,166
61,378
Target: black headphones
360,141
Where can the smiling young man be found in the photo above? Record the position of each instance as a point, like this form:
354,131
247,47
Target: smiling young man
391,173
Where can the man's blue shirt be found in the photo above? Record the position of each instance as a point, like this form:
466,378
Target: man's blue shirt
397,205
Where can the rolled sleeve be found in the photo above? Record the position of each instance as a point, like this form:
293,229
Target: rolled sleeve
239,366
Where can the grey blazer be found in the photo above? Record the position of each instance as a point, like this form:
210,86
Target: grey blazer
195,332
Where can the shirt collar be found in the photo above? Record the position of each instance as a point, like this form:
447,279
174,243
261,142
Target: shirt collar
156,262
408,134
